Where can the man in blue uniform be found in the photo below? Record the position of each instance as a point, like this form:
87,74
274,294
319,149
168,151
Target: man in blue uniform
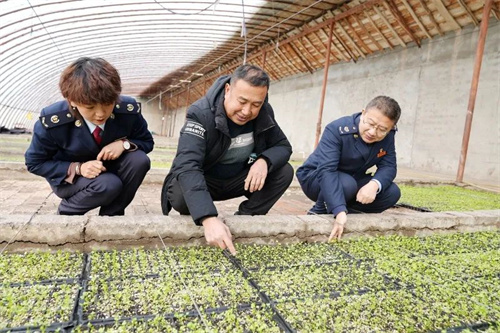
91,147
335,175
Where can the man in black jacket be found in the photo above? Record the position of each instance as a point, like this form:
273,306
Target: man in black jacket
230,146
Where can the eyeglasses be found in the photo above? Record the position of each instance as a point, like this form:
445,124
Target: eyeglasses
376,127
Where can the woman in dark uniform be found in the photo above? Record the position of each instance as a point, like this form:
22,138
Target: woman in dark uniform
92,146
335,175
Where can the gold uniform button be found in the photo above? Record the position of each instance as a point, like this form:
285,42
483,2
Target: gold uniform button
130,107
68,115
117,106
54,119
112,116
78,123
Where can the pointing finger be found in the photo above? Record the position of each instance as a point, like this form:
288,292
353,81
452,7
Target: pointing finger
230,246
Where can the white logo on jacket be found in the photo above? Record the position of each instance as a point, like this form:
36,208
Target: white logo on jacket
194,128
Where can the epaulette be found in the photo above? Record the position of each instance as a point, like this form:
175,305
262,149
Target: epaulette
57,119
344,130
128,107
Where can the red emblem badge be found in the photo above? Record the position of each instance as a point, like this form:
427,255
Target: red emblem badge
381,153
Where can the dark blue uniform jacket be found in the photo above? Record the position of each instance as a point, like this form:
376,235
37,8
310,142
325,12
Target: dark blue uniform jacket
342,149
60,138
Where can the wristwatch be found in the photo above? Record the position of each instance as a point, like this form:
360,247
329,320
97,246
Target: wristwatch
126,144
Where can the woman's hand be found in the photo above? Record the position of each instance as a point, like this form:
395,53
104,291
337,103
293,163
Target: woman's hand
111,151
92,169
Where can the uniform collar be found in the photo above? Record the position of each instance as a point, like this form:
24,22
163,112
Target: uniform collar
92,126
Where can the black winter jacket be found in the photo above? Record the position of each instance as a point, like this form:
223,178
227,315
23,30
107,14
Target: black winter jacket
205,138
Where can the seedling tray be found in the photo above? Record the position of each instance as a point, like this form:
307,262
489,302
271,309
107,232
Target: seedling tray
33,307
39,267
255,317
133,297
438,283
449,198
418,209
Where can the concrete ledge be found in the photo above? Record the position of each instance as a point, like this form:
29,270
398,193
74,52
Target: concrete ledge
95,232
51,230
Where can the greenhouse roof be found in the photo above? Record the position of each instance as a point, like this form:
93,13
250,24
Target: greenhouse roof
163,48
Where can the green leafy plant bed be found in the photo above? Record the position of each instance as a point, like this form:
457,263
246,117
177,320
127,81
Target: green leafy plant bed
168,294
448,198
407,247
39,305
319,281
383,311
147,263
256,318
259,256
369,284
39,266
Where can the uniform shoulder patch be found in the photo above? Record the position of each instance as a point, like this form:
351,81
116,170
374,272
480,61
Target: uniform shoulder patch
194,128
346,129
56,119
128,107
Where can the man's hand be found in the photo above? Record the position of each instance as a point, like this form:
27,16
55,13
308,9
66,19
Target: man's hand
218,234
92,169
111,151
256,177
338,227
367,193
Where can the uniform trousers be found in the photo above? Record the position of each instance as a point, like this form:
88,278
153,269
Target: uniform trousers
385,199
112,190
258,203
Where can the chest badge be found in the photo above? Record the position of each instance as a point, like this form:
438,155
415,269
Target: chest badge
381,153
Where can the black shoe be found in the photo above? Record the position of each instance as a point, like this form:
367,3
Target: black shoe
240,213
317,210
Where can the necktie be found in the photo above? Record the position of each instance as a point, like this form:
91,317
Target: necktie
97,135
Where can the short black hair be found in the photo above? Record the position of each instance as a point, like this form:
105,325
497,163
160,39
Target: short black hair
388,106
252,74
